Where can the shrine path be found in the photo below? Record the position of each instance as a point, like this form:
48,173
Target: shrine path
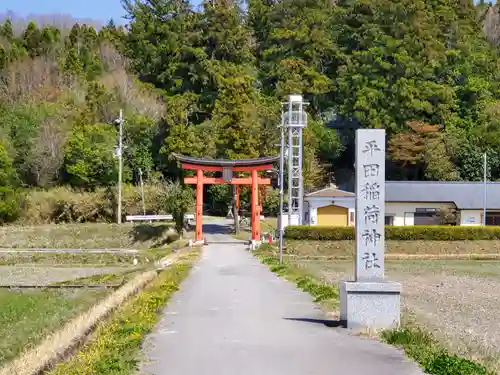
233,316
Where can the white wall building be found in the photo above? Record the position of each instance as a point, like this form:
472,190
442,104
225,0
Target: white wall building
410,203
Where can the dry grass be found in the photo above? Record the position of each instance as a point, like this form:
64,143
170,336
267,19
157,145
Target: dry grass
87,236
456,300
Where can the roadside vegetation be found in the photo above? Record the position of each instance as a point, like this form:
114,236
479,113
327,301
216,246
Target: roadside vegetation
28,316
268,225
114,348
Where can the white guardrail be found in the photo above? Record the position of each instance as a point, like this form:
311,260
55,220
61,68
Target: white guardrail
155,217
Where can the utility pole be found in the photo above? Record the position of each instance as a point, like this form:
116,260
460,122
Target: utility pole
120,167
142,193
485,196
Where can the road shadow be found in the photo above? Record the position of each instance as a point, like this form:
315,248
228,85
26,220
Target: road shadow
158,234
326,322
217,229
220,233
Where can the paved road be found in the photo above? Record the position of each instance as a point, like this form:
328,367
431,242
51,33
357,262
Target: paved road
233,316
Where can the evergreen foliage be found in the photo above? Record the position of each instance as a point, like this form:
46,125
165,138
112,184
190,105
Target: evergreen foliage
209,82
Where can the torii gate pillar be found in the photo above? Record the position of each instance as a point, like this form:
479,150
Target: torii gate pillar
199,205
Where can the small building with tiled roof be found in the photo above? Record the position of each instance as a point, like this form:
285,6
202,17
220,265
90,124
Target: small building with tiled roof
329,207
410,203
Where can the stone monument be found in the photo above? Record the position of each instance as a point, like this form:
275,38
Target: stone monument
370,300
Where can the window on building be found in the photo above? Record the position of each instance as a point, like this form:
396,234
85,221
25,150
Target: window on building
426,216
492,218
389,219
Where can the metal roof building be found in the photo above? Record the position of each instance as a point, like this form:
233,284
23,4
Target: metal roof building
465,195
411,203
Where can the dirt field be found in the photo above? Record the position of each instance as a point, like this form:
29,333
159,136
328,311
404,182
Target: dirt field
456,300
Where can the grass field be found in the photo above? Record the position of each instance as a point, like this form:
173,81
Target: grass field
26,317
347,248
456,300
88,236
82,260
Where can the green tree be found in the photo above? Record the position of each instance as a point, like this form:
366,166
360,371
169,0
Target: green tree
295,46
220,198
20,122
158,41
4,58
140,134
72,64
32,40
101,105
231,94
7,30
74,40
10,197
88,159
49,40
178,201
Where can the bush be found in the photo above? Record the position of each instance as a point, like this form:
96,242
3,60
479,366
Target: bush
10,200
65,205
407,233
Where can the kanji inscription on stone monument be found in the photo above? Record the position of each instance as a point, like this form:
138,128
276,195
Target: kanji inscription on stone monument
370,204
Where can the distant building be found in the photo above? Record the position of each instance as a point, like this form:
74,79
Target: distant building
410,203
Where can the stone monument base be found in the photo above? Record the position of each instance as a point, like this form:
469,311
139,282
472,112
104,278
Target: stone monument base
370,304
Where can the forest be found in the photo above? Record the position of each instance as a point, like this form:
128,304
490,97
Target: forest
209,81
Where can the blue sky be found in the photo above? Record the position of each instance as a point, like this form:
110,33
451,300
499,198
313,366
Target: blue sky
100,10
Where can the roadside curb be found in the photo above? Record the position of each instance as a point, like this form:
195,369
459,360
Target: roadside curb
57,346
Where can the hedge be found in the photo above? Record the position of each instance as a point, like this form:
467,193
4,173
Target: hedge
406,233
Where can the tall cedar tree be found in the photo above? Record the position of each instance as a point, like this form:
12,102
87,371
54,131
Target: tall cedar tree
229,63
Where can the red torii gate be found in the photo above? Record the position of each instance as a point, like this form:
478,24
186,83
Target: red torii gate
227,167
